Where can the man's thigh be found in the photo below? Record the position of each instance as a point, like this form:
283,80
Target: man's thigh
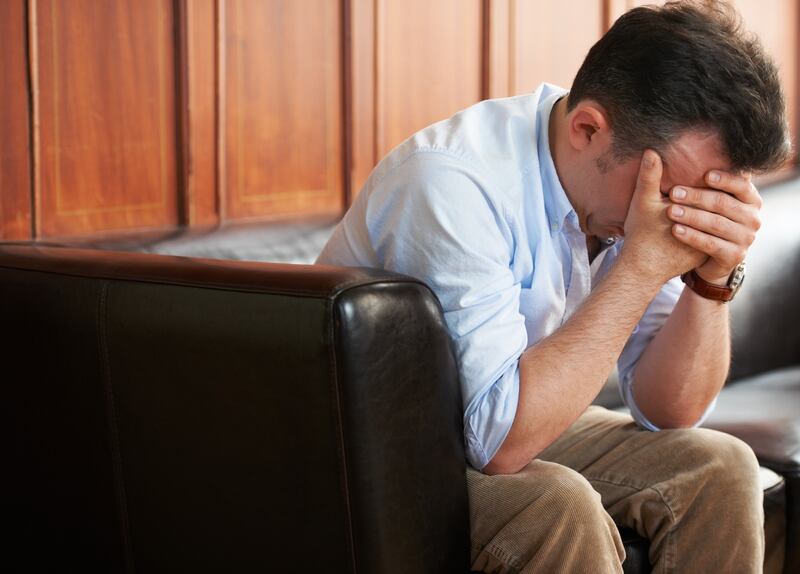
608,448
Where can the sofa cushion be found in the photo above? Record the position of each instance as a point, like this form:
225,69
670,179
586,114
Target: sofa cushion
764,411
296,240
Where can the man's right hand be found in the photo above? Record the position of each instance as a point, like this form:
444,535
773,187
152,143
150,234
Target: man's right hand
649,244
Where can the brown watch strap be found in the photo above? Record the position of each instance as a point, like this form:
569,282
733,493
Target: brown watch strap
705,289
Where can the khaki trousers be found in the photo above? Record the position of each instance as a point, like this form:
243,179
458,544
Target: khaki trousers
694,493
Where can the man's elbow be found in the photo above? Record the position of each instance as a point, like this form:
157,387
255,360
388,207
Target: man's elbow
678,419
497,467
506,461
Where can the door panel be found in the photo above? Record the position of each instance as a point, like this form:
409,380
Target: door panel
15,182
105,105
282,105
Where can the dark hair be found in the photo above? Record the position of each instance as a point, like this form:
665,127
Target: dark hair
660,71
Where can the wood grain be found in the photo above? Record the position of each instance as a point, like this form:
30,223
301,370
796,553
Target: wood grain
107,115
283,108
551,39
776,23
15,160
201,141
134,114
363,92
429,57
500,40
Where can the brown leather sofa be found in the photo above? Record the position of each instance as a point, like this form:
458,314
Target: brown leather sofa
193,414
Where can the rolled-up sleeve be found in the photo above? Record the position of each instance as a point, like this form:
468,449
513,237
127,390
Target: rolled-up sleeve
650,323
430,218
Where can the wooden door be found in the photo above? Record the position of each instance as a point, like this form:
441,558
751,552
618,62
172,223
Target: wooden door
531,42
282,108
414,62
104,115
15,199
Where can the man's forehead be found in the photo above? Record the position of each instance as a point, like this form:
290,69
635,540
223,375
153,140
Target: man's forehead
690,157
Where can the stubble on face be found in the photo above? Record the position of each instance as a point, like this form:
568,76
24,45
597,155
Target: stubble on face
605,162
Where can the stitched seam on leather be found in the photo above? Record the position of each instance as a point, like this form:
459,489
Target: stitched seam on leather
116,454
393,281
775,487
337,289
334,376
330,293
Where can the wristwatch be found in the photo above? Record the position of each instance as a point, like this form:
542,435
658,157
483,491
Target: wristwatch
715,292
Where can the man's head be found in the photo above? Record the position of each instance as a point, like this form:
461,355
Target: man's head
685,80
661,71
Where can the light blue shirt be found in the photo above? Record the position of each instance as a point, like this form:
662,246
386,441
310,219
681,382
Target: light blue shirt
473,206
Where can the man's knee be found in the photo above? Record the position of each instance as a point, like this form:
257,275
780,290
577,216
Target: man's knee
566,496
541,485
568,489
718,457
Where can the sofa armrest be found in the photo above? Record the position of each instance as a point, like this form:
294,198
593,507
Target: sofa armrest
203,415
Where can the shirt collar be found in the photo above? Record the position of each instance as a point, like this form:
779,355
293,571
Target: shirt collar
556,202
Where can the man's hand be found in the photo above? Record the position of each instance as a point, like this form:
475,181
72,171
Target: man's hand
721,222
649,239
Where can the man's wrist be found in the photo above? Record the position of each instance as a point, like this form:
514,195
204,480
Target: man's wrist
631,266
713,277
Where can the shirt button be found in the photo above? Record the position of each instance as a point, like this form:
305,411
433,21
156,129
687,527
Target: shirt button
554,227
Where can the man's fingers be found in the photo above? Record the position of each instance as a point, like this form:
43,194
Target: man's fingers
649,180
717,202
727,255
740,186
712,224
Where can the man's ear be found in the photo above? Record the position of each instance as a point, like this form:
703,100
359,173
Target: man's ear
588,123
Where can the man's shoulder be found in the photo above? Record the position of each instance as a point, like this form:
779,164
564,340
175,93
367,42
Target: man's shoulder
490,143
491,128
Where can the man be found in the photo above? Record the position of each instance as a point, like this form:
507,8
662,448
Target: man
513,211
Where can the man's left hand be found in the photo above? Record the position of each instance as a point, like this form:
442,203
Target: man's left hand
721,221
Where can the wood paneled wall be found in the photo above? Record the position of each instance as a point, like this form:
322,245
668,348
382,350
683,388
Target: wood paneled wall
15,181
104,124
132,114
283,121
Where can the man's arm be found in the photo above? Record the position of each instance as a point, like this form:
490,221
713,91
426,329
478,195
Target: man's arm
561,374
685,365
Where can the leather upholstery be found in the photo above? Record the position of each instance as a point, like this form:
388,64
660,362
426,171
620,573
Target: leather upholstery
637,560
764,411
169,414
766,311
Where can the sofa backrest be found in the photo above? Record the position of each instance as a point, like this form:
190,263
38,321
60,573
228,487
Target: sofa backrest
187,415
766,312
